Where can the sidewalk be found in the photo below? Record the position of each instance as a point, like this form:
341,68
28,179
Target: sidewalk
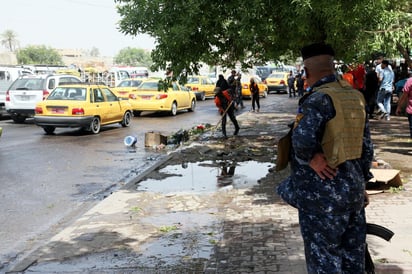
233,230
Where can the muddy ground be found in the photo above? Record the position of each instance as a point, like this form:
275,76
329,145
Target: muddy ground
260,133
180,228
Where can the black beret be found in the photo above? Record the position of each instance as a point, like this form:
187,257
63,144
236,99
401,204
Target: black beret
316,49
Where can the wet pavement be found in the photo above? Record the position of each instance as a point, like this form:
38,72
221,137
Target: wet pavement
210,207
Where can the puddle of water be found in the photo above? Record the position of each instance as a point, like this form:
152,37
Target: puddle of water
190,243
206,177
193,236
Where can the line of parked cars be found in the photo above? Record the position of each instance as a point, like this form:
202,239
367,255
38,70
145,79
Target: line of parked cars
63,100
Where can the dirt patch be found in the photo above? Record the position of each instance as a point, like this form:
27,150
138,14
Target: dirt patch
393,145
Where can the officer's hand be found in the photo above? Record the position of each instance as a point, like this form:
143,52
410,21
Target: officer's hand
321,167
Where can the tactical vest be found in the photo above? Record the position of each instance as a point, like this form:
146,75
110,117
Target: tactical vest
342,139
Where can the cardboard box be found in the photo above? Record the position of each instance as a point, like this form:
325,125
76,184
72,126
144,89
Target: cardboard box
154,139
389,177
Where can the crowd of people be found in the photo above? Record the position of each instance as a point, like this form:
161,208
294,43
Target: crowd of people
378,82
383,85
330,151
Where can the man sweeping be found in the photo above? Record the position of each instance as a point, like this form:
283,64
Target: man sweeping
224,102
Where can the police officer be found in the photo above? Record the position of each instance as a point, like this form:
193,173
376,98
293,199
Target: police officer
330,160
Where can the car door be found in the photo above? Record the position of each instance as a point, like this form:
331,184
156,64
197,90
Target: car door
209,87
114,110
182,96
100,105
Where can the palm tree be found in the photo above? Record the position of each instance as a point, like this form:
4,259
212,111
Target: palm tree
9,40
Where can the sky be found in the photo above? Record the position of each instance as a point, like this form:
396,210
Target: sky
68,24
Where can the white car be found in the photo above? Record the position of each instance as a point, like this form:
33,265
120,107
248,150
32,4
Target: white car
26,91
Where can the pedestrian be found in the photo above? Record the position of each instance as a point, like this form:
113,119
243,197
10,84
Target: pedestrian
371,89
291,84
383,100
222,83
359,77
378,67
254,91
239,95
300,84
224,102
406,98
231,80
331,153
403,77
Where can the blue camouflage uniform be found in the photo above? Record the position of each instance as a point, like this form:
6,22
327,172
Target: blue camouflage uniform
331,211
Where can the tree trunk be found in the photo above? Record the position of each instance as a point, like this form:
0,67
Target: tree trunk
405,53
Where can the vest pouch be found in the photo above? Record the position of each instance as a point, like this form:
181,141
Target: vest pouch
284,148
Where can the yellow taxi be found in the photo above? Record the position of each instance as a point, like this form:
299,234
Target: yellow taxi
87,106
150,96
202,86
126,86
277,81
263,89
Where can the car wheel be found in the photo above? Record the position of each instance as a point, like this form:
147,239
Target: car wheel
127,118
95,125
173,110
202,96
136,113
192,105
49,129
265,94
18,119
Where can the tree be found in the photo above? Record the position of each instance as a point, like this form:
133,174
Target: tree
9,40
393,35
133,57
94,52
38,55
226,32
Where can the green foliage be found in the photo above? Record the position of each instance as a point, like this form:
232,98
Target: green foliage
133,57
166,229
135,209
165,84
38,55
395,190
189,32
9,40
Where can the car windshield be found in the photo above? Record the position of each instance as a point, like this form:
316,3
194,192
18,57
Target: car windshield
27,84
193,80
130,83
149,86
276,75
68,93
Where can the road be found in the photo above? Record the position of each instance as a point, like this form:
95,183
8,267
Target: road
48,180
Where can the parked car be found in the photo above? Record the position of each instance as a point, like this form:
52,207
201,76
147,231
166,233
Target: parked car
263,88
151,97
277,81
26,91
126,86
264,71
7,76
202,86
86,106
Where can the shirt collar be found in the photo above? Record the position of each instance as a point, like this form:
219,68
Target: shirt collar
327,79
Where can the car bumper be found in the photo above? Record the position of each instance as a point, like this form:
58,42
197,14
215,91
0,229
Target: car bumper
277,88
56,121
200,95
23,112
